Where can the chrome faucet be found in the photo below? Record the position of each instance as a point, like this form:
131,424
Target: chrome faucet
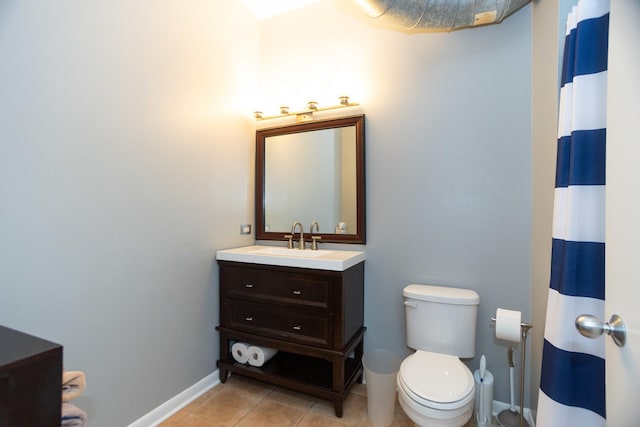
314,239
293,231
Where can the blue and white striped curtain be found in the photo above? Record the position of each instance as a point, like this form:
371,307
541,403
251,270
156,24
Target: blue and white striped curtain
572,384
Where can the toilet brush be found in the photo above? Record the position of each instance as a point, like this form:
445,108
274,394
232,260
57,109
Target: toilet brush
510,417
512,400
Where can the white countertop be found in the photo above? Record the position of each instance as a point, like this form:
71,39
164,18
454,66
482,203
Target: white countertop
323,259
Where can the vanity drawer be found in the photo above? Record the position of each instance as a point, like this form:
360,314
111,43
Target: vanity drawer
268,320
278,286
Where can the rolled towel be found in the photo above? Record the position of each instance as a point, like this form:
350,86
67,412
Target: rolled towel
240,352
258,356
72,416
73,384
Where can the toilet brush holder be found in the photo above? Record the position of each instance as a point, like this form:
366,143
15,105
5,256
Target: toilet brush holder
483,395
511,417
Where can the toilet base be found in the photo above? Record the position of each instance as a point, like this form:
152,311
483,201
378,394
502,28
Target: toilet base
427,417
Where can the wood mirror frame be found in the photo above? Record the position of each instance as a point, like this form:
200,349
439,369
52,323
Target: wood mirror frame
261,138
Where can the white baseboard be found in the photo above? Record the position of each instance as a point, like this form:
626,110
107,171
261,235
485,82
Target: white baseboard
498,407
178,402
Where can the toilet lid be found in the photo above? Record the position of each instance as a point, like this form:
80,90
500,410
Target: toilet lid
436,378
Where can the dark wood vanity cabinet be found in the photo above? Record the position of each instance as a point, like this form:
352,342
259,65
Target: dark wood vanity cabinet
314,318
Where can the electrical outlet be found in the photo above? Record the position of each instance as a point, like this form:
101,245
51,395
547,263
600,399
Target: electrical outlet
245,229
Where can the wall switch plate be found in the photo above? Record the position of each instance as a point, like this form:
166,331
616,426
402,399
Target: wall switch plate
245,229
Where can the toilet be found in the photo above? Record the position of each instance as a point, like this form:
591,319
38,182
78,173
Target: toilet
434,387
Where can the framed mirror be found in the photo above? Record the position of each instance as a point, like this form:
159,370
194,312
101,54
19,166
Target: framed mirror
312,172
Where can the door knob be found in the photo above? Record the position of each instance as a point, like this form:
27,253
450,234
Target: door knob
591,327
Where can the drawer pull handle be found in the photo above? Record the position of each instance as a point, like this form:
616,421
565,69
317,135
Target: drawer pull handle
248,285
296,292
249,319
297,328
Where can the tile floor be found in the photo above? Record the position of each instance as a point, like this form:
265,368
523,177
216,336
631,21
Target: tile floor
243,402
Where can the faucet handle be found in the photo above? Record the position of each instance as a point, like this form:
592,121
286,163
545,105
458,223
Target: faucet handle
314,242
289,237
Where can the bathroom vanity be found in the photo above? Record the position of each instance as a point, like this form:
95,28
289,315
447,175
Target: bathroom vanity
309,305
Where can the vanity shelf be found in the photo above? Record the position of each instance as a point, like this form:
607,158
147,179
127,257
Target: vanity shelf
321,354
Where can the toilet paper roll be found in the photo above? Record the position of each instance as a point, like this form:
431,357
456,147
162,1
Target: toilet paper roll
508,325
240,352
258,356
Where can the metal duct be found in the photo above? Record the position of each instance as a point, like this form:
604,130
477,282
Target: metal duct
442,15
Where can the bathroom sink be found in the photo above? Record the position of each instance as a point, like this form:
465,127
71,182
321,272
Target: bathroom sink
336,260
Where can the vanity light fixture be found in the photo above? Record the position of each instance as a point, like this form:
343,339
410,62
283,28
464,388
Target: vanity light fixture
306,114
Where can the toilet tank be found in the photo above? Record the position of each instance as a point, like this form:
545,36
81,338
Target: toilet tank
441,319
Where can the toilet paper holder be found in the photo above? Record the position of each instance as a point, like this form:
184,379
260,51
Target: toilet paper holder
508,421
524,327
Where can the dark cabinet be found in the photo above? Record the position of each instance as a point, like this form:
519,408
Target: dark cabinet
30,380
314,318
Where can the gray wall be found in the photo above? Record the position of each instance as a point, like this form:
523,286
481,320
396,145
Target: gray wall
448,157
124,164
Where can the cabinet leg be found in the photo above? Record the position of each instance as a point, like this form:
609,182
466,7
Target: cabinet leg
224,355
358,353
337,407
224,374
338,374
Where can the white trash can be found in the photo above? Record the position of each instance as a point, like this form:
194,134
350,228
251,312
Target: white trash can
380,372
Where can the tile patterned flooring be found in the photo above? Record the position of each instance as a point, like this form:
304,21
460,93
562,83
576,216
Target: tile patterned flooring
243,402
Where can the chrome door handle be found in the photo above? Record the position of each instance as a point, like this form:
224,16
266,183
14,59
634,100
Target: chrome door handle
591,327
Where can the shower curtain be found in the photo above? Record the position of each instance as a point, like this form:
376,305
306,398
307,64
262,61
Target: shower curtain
572,383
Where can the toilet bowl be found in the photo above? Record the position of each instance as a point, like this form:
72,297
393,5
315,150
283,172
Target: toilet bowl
436,389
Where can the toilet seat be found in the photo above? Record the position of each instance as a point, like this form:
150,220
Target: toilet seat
438,381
